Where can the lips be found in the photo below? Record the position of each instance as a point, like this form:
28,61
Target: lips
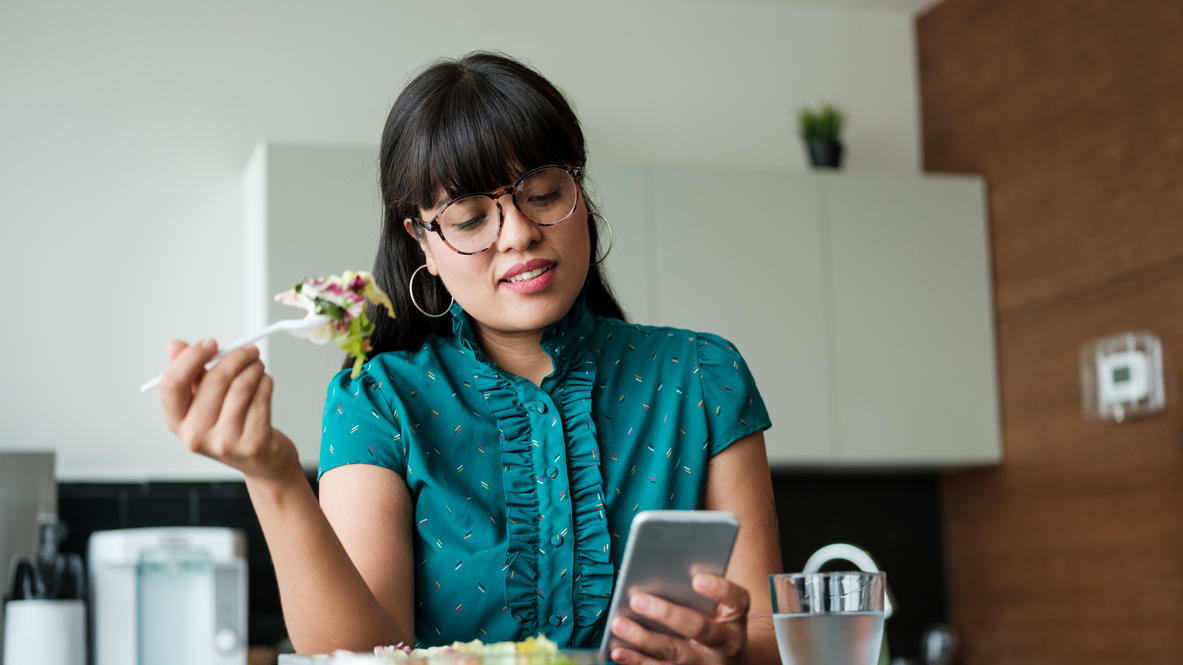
532,264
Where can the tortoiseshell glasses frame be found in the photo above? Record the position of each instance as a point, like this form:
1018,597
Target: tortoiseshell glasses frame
575,174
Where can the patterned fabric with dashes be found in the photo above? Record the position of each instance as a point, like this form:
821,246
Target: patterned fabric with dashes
524,494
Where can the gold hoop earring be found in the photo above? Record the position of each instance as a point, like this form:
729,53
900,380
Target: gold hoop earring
411,290
611,238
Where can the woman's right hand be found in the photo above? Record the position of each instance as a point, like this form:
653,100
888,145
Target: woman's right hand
225,413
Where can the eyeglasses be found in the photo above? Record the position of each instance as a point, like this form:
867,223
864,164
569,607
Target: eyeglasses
547,195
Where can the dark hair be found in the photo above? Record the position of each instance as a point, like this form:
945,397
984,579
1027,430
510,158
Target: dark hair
467,125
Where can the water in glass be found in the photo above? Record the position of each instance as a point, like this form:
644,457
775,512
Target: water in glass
848,638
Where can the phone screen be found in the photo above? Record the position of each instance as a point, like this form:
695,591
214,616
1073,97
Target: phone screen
665,550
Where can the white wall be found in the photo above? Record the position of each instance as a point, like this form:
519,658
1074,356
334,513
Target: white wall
125,129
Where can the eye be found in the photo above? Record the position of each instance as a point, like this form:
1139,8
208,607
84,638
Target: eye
544,198
471,223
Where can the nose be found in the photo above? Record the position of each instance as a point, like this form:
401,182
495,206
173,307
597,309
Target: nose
517,231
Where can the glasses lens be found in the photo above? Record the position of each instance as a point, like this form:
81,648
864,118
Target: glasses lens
547,196
470,224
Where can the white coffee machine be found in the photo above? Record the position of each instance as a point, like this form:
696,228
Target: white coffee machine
168,595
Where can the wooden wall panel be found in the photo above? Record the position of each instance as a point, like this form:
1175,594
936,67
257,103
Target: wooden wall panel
1072,108
1072,550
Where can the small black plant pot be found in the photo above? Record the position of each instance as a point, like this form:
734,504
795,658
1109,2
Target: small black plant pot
825,154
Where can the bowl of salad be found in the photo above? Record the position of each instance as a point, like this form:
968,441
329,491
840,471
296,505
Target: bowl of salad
532,651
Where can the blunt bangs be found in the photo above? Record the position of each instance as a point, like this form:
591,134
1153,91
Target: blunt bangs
487,127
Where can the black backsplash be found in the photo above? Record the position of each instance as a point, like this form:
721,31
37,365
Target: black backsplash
896,518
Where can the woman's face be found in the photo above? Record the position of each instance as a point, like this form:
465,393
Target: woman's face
478,281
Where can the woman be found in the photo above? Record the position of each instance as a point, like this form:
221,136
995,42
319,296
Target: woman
478,478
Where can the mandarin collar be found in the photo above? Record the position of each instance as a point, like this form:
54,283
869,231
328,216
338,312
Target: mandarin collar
571,328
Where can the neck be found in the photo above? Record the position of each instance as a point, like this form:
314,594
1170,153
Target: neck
517,352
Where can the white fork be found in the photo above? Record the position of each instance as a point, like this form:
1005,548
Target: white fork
290,326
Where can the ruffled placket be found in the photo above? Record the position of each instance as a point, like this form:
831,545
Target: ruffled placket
558,567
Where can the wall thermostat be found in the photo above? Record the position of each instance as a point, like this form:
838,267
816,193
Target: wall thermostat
1122,376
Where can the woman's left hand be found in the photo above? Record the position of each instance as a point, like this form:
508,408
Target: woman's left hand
720,639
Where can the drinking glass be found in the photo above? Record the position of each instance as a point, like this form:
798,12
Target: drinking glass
828,618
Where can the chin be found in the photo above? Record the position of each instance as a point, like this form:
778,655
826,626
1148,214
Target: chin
536,313
540,315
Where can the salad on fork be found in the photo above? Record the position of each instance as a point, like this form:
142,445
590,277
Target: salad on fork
342,299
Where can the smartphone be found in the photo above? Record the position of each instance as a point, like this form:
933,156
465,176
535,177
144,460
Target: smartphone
665,550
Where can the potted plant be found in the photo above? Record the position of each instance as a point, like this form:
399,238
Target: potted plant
822,130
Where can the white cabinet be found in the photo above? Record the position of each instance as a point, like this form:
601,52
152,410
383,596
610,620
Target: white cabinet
914,379
739,253
310,210
861,302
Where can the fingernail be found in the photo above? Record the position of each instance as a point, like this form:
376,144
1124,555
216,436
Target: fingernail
618,656
640,602
620,626
704,583
208,342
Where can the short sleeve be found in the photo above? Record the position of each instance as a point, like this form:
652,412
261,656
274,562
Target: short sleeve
359,425
734,408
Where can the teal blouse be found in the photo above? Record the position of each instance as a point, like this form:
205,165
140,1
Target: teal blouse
524,494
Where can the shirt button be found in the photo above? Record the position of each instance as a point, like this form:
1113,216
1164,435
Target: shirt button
552,471
556,539
555,619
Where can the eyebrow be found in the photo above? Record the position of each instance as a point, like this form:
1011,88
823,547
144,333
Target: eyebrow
440,201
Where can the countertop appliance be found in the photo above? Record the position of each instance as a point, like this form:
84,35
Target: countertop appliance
862,561
169,595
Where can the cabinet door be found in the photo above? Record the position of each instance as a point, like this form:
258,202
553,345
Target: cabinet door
311,211
738,252
914,362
